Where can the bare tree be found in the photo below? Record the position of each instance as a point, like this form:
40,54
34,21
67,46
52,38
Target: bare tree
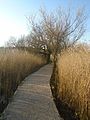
19,43
57,30
11,42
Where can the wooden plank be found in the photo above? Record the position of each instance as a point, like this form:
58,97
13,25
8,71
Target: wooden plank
33,99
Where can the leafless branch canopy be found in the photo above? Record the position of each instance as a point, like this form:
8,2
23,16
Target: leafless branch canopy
54,31
57,30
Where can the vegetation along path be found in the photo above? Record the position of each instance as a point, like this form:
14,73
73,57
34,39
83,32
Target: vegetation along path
33,99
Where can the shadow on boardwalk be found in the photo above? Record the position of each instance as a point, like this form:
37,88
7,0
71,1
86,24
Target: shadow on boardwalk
33,99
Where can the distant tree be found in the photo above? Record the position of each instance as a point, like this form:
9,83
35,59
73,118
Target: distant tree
21,42
56,30
11,42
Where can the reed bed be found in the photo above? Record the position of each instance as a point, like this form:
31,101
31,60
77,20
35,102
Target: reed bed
74,80
15,65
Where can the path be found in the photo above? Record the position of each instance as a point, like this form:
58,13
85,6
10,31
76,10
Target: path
33,99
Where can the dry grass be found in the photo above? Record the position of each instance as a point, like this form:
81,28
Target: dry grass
14,67
74,78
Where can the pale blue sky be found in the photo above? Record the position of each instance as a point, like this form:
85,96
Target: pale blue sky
13,14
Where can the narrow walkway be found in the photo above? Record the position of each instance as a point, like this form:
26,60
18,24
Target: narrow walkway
33,99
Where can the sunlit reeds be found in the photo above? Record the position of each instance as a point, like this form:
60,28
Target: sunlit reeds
74,80
15,65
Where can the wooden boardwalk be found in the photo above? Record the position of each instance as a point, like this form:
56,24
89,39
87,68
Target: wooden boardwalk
33,99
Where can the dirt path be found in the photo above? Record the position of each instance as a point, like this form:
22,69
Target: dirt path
33,99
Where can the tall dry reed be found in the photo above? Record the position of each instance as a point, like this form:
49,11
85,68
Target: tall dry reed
14,67
74,80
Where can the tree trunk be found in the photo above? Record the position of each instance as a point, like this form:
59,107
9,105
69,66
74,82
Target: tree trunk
48,58
54,81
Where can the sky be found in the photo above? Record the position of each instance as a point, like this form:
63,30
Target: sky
13,15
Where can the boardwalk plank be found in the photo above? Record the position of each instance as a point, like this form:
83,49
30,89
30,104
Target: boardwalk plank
33,99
